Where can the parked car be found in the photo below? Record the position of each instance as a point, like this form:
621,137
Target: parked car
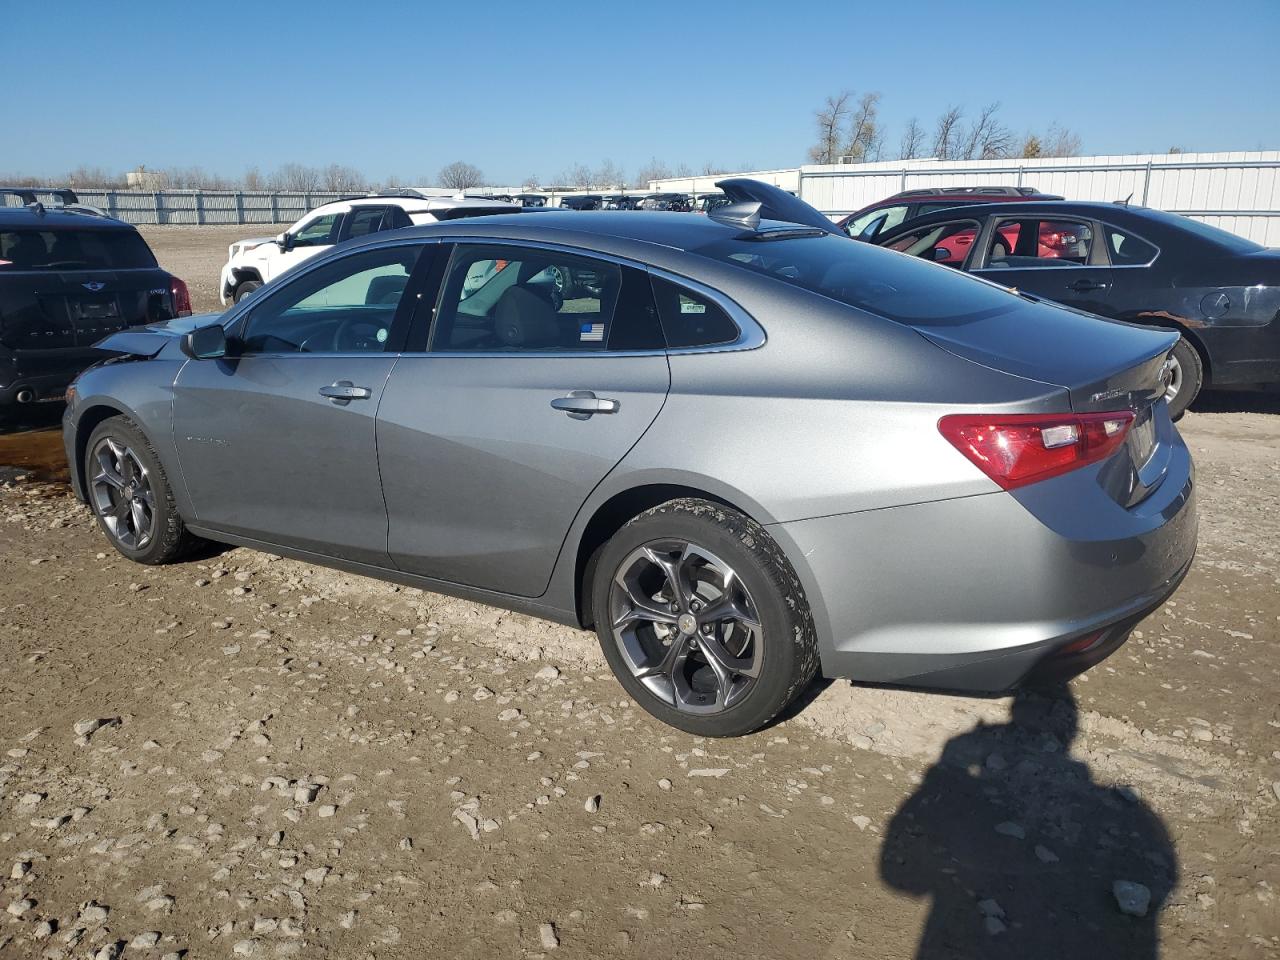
1218,290
622,201
891,212
759,451
582,201
254,262
711,201
69,276
673,202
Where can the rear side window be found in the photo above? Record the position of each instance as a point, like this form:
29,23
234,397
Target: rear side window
690,319
366,220
74,250
1128,251
903,289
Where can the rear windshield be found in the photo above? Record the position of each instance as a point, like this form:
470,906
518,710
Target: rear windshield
893,285
1215,235
73,250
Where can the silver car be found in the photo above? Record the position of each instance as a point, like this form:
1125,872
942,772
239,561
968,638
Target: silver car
745,450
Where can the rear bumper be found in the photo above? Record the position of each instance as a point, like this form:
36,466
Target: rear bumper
45,388
980,593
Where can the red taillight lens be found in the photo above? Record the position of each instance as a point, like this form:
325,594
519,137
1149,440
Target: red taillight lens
1017,449
181,297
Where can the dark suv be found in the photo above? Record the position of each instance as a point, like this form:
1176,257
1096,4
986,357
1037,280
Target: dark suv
69,276
885,215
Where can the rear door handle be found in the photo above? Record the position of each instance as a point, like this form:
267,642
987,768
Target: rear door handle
583,404
344,391
1083,285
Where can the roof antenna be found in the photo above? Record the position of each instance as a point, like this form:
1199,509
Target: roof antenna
744,214
1125,201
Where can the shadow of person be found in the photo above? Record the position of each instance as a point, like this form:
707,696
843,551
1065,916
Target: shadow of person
1022,854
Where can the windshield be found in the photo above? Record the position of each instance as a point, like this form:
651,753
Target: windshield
1215,235
74,250
893,285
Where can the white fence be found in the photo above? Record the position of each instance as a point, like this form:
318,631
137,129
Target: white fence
1239,192
200,206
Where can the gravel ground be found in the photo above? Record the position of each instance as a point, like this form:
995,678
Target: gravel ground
196,254
246,756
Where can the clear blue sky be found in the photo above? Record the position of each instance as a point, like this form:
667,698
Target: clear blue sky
531,88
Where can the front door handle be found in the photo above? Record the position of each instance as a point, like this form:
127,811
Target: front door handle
344,391
1085,285
583,404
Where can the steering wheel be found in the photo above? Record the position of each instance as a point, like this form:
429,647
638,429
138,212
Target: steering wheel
358,336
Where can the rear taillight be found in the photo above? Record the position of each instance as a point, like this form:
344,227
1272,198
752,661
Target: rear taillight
181,297
1017,449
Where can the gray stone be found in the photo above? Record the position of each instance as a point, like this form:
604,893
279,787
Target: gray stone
1132,898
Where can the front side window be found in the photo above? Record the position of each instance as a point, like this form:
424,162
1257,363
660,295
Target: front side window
320,232
1127,250
511,298
1031,242
947,243
345,306
875,222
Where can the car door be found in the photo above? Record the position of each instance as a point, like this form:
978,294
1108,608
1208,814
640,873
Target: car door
492,438
1055,257
304,240
276,441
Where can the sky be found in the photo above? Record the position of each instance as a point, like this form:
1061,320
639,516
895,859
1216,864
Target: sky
529,89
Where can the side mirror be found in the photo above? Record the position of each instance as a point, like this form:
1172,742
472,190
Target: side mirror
205,343
284,242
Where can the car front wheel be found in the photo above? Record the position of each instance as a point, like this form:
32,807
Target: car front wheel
246,287
702,618
130,495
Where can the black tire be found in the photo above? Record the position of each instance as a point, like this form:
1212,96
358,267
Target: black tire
787,641
246,287
1190,370
563,280
168,539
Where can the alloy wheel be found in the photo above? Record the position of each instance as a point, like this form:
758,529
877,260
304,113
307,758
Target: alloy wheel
1175,380
686,626
122,494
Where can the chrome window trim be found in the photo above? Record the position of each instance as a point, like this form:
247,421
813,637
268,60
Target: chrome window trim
1109,265
750,334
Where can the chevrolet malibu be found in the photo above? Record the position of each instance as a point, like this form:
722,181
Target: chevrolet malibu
747,452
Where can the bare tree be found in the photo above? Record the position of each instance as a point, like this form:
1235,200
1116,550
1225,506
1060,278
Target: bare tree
531,182
84,176
459,176
830,119
986,138
1061,142
912,144
609,174
864,130
294,177
578,175
252,179
946,134
655,169
342,179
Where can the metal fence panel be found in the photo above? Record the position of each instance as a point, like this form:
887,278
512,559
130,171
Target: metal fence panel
198,207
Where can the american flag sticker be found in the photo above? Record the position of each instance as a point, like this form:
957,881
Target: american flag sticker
592,333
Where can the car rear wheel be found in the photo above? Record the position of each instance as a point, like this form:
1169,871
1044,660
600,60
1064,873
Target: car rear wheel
702,618
130,494
246,287
1186,376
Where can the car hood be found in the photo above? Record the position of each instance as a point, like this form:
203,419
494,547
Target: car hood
150,340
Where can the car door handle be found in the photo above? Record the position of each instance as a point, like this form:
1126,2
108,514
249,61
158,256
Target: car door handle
344,391
582,404
1083,285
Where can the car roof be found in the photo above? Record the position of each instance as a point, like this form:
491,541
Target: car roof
420,204
678,231
53,218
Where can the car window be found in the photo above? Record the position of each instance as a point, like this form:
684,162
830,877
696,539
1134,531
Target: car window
948,242
366,220
1127,250
690,319
934,207
396,218
74,250
875,222
345,306
511,298
902,289
319,232
1032,242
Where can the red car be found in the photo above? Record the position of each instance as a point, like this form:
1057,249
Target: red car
884,215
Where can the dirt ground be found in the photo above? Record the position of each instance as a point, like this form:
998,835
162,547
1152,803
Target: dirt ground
241,755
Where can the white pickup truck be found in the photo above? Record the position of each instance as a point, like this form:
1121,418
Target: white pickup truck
251,263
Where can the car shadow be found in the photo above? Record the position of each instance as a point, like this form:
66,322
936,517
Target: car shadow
1022,854
31,442
1237,401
